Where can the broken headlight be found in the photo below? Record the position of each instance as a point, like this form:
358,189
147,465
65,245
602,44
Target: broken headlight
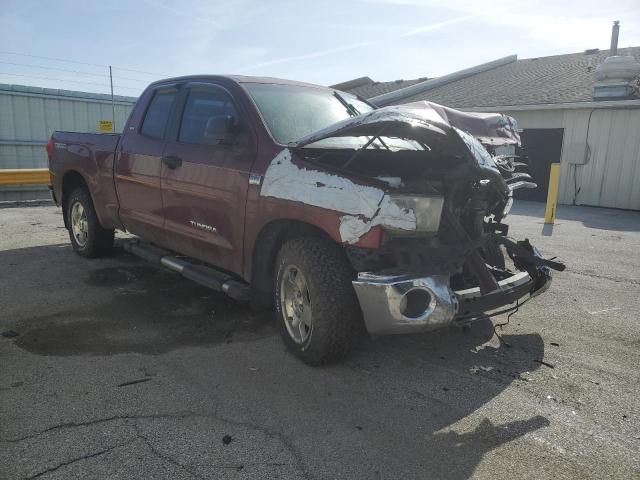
425,210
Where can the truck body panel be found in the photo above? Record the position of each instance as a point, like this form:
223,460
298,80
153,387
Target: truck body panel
90,155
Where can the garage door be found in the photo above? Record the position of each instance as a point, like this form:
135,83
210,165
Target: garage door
543,147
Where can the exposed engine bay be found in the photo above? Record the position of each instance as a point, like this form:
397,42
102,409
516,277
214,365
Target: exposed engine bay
455,172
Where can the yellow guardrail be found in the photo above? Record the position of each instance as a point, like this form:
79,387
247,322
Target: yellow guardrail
552,194
25,176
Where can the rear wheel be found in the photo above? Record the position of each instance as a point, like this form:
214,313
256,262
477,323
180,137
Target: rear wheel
317,309
88,238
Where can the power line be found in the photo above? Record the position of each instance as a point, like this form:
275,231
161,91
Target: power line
52,58
53,78
146,82
54,68
142,71
101,75
83,63
68,81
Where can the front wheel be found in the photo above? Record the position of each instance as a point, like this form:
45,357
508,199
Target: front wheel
317,309
87,236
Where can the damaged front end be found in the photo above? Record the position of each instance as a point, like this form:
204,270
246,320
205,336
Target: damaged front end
433,186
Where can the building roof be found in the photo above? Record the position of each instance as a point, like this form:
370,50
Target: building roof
55,92
366,87
532,81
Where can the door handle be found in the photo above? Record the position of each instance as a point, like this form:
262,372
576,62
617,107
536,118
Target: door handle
172,161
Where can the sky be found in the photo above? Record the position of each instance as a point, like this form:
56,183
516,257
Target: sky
69,43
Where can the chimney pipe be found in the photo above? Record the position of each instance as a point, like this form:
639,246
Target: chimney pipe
613,50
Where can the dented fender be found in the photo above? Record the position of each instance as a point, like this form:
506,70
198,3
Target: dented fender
358,208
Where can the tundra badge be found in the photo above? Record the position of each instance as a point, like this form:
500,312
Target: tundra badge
202,226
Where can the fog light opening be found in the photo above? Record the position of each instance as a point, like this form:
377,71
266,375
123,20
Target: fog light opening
415,303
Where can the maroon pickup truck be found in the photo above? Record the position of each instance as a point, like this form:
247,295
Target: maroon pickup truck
347,217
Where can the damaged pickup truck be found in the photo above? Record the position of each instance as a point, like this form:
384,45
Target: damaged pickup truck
346,217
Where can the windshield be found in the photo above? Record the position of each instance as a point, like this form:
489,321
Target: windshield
294,111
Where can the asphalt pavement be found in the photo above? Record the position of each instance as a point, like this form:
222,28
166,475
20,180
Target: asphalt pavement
113,368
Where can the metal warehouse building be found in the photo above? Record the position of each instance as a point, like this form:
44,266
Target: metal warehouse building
581,110
28,116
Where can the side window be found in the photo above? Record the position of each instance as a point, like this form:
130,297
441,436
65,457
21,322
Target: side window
206,117
155,121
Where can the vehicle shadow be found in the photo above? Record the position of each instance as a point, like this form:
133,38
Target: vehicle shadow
61,304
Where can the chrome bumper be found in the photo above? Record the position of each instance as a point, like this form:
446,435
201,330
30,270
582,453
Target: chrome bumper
400,304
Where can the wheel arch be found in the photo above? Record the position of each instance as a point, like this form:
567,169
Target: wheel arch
268,243
71,180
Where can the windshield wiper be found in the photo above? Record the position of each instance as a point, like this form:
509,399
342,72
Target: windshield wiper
351,110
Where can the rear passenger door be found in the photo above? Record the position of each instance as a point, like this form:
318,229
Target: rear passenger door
138,167
205,177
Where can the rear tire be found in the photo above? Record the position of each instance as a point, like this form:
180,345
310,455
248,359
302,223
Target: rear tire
313,285
88,238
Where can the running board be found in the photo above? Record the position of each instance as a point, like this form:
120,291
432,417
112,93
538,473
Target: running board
206,276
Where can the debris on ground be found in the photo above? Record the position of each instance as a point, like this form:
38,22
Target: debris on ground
546,364
133,382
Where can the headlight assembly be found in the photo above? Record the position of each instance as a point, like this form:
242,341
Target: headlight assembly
427,212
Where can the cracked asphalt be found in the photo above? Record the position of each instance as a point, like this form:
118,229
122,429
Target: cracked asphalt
113,368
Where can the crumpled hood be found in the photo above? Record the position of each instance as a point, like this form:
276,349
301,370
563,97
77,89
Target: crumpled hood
489,128
419,121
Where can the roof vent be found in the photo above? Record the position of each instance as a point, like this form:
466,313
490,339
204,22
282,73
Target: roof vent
592,51
617,77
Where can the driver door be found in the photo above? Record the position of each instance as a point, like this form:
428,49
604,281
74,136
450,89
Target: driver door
205,178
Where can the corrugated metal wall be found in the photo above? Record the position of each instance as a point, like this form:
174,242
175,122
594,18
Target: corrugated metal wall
611,175
28,116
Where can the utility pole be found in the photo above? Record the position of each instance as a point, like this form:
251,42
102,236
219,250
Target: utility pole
113,105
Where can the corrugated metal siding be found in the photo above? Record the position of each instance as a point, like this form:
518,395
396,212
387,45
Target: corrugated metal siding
28,116
611,176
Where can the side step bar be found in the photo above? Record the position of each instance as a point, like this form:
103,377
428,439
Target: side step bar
206,276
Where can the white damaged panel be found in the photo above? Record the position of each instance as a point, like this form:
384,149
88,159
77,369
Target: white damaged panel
365,206
283,179
390,215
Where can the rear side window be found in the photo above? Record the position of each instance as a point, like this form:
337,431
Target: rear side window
155,121
205,116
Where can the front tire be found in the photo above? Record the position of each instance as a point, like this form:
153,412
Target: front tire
317,309
87,236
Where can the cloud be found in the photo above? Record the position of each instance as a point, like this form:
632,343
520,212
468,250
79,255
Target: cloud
436,26
306,56
567,25
353,46
182,13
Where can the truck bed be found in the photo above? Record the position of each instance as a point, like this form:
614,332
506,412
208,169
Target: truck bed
98,143
90,156
84,148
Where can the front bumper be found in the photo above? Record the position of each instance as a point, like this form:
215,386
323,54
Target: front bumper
393,304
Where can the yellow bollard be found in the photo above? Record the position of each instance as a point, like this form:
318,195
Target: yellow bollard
552,194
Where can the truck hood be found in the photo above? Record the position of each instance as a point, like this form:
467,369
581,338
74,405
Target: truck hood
420,121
